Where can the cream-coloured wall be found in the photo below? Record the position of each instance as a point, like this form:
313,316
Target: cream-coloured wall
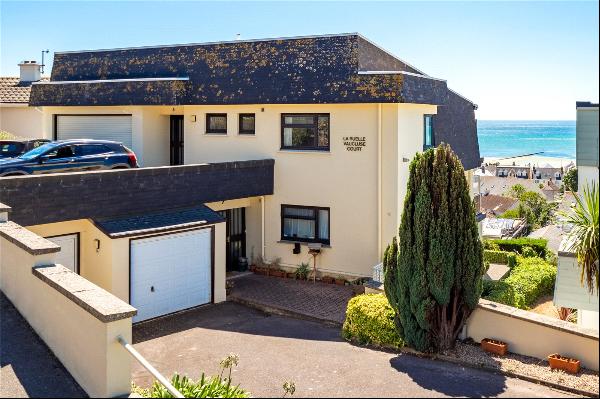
22,121
586,175
531,334
86,346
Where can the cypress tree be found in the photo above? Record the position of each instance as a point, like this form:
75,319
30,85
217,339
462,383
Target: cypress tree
433,274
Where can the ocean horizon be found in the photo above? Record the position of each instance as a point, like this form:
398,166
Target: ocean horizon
509,138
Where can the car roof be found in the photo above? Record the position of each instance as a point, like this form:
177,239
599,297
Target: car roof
86,141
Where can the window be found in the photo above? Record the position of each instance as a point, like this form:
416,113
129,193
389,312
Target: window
305,132
216,123
428,137
247,124
11,149
92,149
60,152
305,223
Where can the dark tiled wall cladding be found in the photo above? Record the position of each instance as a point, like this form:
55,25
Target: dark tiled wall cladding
291,71
53,198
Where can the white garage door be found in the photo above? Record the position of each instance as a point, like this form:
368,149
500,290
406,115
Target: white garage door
69,251
98,127
170,273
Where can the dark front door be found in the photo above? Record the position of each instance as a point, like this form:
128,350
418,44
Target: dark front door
176,139
236,236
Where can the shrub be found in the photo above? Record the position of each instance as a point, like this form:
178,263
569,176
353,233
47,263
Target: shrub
302,271
527,282
516,245
570,181
370,320
501,257
528,252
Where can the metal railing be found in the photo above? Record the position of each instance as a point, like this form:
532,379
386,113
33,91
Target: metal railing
378,273
137,356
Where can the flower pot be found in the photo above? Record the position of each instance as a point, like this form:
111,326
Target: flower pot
277,273
328,280
564,363
340,281
291,275
493,346
252,268
261,271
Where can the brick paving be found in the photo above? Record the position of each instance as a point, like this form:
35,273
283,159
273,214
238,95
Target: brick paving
304,299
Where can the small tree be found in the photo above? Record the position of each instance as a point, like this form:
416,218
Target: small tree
435,281
570,180
516,191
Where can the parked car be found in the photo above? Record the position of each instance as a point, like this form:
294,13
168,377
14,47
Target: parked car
14,148
70,156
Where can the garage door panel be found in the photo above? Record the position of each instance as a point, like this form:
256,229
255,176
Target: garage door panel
99,127
178,266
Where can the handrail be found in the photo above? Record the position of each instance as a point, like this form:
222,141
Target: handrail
137,356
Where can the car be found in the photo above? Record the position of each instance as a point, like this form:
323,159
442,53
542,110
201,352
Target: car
70,156
14,148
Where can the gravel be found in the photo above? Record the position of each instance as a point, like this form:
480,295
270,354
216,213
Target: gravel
585,380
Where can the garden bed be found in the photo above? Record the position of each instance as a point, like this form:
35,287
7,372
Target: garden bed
529,367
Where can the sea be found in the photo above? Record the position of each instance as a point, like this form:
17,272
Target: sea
554,139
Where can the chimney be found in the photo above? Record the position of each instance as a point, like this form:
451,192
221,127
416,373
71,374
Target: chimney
30,71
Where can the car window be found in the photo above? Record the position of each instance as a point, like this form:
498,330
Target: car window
38,151
7,149
60,152
92,149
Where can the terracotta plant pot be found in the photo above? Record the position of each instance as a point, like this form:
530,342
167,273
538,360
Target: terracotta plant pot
252,268
261,271
291,275
494,346
340,281
328,280
564,363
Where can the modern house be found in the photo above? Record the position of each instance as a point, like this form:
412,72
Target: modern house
271,145
16,116
569,291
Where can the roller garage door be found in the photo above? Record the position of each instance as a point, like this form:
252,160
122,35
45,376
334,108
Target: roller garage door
170,273
99,127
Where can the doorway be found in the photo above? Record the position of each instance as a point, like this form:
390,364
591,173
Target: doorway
236,237
176,140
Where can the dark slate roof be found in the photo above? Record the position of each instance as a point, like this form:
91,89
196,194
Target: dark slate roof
586,104
344,68
158,222
13,91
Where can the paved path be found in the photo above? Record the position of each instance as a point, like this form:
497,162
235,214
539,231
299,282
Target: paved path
27,367
318,301
274,349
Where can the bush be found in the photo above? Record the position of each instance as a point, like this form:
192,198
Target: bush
501,257
370,320
527,282
528,252
516,245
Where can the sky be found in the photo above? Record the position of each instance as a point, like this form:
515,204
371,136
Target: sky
516,60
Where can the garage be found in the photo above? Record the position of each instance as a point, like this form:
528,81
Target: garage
69,250
171,272
99,127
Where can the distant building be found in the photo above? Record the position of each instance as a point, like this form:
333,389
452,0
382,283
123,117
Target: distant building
493,185
520,171
495,204
502,228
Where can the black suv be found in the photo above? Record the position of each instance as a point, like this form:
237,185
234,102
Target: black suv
14,148
70,156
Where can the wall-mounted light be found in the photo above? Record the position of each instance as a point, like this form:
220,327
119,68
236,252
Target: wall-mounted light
405,160
262,110
97,244
193,118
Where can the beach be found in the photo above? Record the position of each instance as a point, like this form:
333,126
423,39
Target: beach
534,160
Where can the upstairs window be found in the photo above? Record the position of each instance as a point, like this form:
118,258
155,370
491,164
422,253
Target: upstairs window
216,123
428,134
305,223
247,124
305,132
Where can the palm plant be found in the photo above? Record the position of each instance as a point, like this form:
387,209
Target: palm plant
583,238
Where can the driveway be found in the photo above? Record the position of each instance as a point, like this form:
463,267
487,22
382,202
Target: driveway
274,349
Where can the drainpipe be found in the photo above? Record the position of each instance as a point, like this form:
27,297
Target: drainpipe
262,229
379,196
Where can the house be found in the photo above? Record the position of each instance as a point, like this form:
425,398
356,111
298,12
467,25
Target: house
270,144
569,291
495,204
519,171
16,116
493,185
496,228
549,173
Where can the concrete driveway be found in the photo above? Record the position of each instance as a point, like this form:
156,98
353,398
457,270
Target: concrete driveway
274,349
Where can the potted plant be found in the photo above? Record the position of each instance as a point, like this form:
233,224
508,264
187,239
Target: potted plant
277,273
494,346
340,281
564,363
291,275
328,279
302,271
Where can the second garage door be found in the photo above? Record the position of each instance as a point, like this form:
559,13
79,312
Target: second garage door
170,273
98,127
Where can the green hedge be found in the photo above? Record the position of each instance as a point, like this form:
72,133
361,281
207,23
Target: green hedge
502,257
516,245
370,320
527,282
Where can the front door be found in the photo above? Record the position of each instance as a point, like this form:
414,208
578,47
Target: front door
176,139
236,236
69,251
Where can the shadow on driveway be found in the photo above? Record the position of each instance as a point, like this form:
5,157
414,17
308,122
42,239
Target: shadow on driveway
449,379
28,367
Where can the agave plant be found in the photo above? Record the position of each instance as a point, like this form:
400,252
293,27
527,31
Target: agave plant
583,237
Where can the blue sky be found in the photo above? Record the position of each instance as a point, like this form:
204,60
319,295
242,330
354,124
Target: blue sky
516,60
